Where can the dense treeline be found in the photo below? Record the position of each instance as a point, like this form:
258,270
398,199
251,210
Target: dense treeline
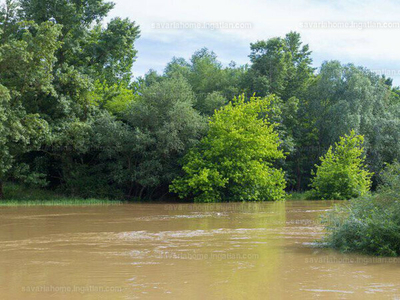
73,118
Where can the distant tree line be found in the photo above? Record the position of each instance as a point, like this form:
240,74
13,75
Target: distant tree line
73,118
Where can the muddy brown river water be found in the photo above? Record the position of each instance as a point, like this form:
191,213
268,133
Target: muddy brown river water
182,251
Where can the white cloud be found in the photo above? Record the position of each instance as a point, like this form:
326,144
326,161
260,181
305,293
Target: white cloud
275,18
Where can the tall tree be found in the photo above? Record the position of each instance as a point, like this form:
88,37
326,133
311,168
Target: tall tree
90,56
109,52
106,53
27,56
280,66
212,83
346,97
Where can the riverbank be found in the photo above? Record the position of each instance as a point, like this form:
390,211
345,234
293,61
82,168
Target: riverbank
59,202
19,195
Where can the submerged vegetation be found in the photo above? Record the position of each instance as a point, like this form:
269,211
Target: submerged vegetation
74,120
367,225
371,224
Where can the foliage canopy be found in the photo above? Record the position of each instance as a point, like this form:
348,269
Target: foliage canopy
342,173
234,161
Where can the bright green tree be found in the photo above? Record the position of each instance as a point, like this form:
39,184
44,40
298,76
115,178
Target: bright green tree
115,98
342,173
235,160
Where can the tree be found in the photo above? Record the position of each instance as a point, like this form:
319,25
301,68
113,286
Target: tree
299,72
234,161
178,66
280,66
345,97
211,83
76,18
206,72
269,67
5,157
342,173
88,51
92,62
110,53
114,98
210,103
8,18
142,150
389,187
26,61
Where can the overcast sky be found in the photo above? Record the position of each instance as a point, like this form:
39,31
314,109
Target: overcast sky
369,33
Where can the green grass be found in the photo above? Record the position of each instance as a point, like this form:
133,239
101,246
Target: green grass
19,195
299,196
60,202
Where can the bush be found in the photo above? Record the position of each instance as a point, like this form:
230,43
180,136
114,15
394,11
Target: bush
369,225
342,173
365,225
235,160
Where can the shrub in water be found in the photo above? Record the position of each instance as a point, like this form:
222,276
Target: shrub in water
235,160
342,173
369,225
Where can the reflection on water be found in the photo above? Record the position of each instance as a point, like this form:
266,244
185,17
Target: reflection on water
182,251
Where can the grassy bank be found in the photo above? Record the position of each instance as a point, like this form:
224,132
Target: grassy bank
19,195
59,202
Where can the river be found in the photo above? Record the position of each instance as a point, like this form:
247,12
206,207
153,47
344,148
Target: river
182,251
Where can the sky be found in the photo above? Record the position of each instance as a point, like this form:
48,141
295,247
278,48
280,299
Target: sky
365,33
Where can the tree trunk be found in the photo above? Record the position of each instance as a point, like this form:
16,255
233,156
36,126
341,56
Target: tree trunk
1,190
141,192
298,171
